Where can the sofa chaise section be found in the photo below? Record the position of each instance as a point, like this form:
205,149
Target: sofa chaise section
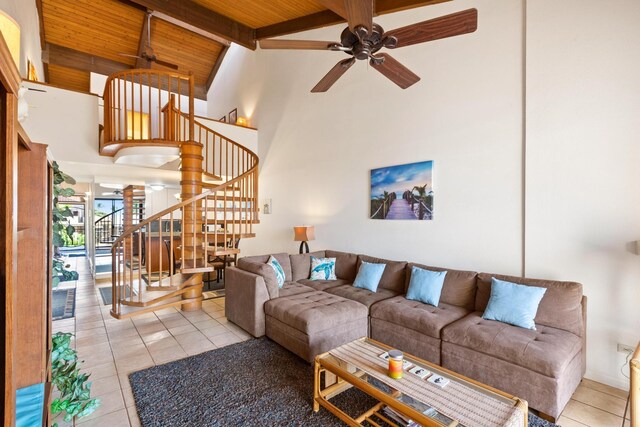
314,322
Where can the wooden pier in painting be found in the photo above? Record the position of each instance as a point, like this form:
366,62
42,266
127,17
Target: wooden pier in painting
401,209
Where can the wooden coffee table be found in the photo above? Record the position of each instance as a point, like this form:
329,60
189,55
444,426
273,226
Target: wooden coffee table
462,402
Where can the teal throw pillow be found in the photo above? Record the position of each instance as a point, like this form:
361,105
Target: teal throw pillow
513,304
278,269
426,285
323,268
369,275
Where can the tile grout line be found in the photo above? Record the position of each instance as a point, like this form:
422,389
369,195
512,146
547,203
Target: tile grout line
595,407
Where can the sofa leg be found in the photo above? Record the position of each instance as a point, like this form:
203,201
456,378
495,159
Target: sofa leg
545,416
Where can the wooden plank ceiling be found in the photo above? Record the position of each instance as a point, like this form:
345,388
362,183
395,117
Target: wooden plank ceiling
103,36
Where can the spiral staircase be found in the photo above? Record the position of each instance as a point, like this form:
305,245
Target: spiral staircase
160,261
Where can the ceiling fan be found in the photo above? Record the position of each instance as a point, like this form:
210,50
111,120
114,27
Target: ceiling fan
148,53
363,39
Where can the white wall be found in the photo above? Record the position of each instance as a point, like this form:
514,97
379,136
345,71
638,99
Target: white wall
582,192
242,135
26,15
316,150
65,120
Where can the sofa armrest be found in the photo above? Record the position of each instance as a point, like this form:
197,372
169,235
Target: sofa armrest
584,334
245,295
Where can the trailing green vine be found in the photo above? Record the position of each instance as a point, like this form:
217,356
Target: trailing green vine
62,229
75,392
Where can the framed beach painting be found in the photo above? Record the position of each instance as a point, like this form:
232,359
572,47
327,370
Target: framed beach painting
402,192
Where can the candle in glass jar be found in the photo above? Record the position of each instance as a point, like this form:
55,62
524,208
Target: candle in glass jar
395,364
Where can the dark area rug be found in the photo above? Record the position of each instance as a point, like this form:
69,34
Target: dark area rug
103,268
106,294
63,303
254,383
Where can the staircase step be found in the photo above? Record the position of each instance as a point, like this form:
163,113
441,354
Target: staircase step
130,311
211,251
228,209
199,266
218,184
222,221
212,237
211,176
175,282
152,298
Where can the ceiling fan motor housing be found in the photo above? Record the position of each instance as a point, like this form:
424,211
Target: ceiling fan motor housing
363,47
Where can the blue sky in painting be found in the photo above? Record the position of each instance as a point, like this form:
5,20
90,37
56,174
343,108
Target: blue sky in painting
401,178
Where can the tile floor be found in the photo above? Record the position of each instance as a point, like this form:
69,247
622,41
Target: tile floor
113,348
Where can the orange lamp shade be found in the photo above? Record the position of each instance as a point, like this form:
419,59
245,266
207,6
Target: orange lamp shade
304,233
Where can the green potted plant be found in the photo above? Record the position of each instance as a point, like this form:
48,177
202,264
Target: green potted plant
60,225
75,390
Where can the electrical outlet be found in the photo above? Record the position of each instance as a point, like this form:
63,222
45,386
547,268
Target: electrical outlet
624,348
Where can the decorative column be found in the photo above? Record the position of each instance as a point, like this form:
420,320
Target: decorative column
191,182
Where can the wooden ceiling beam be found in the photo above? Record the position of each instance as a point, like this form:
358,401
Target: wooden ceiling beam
200,17
216,67
328,17
142,45
43,39
304,23
69,58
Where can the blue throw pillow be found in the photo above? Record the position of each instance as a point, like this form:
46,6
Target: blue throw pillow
513,304
426,285
323,268
369,275
278,269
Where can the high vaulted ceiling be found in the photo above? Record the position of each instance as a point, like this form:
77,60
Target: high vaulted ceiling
103,36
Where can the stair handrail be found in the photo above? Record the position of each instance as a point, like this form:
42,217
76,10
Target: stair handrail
120,100
240,190
104,216
180,205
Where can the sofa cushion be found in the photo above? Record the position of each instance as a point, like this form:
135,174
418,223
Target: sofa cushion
301,265
547,350
323,268
282,258
346,264
363,296
369,276
292,288
423,318
323,285
267,273
560,307
459,285
313,312
426,285
513,304
277,268
394,273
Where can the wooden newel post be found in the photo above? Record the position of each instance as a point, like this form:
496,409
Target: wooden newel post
191,182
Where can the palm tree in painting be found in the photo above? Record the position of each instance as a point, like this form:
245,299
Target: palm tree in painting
384,197
422,198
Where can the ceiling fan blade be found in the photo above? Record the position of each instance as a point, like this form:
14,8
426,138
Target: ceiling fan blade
359,13
130,56
395,71
439,28
338,6
165,64
333,75
296,44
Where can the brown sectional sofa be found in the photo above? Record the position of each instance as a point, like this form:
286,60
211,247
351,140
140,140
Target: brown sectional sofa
542,366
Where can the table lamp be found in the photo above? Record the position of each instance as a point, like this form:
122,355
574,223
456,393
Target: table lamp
303,234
